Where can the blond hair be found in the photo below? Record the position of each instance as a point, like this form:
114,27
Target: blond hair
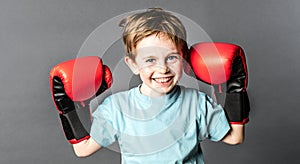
154,21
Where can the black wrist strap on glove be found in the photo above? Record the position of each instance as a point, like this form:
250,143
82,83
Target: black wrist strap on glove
72,126
236,106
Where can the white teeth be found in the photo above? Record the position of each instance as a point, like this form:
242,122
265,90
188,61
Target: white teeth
162,80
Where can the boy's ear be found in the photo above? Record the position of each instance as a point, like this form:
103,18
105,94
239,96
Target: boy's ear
132,65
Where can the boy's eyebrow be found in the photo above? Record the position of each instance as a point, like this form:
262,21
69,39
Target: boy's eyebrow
147,57
173,52
169,53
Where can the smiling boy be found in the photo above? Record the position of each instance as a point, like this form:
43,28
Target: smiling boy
158,121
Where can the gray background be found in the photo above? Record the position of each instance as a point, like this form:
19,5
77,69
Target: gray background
37,34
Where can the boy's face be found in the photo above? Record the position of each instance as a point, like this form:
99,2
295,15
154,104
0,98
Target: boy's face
159,64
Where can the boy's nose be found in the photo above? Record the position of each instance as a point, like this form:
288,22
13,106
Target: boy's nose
162,68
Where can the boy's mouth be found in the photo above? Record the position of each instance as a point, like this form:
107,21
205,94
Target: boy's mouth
162,79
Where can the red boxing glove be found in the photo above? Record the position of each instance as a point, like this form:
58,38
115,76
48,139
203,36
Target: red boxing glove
75,83
223,66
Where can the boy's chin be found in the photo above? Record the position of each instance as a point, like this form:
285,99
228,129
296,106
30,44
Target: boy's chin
155,91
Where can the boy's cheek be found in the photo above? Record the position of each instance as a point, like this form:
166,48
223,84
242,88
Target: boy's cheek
146,69
177,67
144,66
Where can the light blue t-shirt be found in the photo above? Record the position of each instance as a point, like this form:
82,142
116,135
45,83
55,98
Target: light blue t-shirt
167,129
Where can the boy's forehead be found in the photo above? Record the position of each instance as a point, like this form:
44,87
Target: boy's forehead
160,41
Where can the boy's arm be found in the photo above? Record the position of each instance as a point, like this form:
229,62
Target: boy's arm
235,135
73,86
86,147
223,66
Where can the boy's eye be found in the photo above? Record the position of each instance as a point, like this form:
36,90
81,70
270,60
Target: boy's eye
172,58
150,60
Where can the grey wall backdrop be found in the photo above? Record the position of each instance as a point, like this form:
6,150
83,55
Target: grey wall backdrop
37,34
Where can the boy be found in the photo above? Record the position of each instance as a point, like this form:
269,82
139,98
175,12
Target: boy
158,121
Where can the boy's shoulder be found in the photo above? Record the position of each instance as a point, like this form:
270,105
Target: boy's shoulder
121,94
192,91
195,94
113,99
